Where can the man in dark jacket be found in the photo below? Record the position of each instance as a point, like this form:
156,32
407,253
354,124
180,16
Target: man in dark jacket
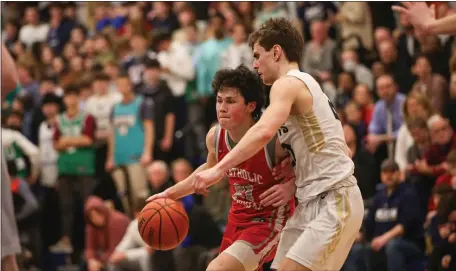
393,225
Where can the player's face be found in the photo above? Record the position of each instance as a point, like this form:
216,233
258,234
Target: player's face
232,109
263,63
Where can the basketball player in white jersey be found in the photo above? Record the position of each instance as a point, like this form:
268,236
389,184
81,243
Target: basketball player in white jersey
328,217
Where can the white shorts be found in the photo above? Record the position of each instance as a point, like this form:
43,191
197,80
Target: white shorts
321,231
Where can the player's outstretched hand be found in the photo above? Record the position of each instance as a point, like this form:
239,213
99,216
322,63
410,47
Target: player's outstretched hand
419,14
163,194
279,194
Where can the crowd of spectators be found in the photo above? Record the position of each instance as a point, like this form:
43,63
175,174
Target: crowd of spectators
115,99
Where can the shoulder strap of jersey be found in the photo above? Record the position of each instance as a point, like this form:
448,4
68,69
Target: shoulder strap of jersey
270,152
216,141
309,81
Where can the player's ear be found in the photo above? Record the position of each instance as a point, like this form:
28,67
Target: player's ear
251,107
276,51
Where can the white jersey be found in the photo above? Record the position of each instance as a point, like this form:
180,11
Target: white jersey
316,143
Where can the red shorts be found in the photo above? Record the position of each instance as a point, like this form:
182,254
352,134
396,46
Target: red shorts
252,245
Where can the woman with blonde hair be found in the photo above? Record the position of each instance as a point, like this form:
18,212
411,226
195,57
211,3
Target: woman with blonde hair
415,106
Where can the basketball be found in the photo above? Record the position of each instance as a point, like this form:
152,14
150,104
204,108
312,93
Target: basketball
163,224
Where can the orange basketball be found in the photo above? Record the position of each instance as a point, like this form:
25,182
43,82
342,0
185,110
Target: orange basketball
163,224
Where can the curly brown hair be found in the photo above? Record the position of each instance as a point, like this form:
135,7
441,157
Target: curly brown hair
245,81
279,31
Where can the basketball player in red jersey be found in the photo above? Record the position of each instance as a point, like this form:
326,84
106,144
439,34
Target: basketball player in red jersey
253,231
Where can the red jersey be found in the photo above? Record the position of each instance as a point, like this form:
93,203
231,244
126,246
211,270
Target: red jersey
248,181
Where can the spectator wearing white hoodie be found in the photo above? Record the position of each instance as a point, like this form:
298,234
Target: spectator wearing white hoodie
33,31
132,253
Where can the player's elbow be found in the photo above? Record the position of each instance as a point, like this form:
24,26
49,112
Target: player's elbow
266,133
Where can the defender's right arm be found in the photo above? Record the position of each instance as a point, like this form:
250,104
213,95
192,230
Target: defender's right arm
185,187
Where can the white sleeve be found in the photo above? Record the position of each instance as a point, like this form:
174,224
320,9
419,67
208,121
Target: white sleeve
128,242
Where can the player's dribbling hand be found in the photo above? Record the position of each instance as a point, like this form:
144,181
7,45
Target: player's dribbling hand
161,195
206,178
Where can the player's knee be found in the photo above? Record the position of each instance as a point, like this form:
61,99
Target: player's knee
225,262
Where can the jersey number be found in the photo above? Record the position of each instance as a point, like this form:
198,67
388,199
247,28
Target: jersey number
291,152
333,109
243,192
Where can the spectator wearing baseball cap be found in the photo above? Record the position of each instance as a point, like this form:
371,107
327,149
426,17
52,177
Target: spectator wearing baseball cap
393,224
